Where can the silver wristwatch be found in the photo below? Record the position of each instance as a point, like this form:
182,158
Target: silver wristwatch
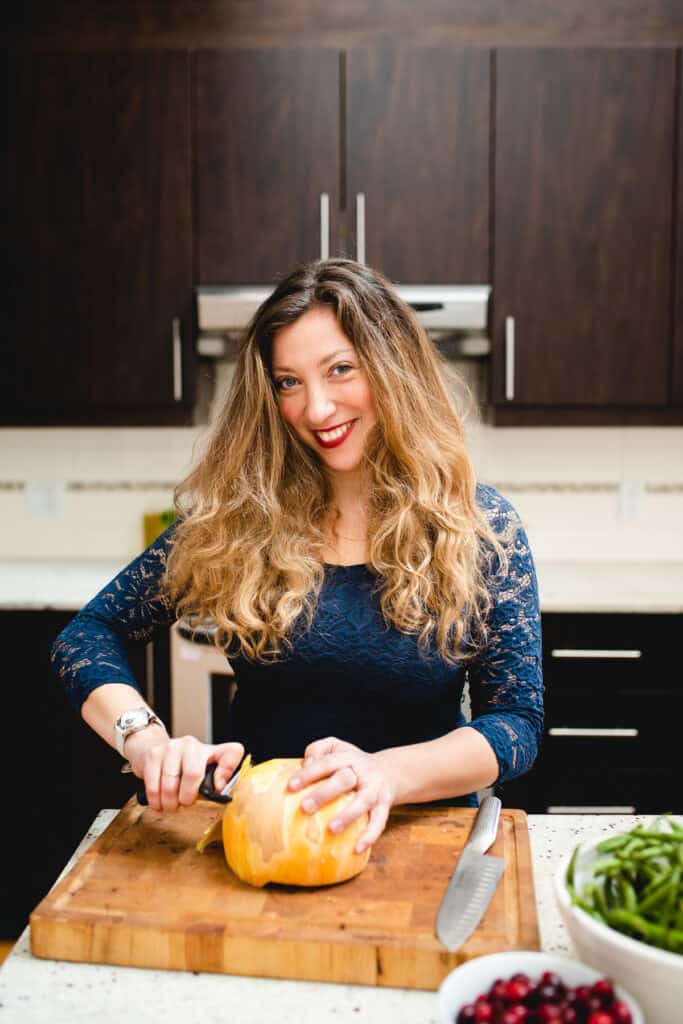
130,722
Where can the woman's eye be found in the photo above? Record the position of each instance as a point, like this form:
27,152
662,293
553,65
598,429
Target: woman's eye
342,368
285,383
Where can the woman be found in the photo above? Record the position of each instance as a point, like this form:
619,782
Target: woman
355,571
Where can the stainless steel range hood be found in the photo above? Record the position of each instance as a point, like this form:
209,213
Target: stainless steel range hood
455,315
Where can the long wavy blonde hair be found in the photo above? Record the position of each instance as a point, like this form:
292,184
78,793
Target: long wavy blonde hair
247,552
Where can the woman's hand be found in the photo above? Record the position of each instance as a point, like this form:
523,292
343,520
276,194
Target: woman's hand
172,769
344,768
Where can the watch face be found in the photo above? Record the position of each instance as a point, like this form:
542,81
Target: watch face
133,718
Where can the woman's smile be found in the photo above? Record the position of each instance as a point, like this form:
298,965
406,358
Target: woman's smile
335,436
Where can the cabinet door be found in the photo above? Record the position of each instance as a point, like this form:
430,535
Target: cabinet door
58,773
418,151
101,237
584,145
677,384
267,149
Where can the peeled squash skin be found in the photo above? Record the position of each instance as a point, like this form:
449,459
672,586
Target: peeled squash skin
268,838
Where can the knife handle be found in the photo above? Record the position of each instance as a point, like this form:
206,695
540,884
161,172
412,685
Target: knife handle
206,789
485,827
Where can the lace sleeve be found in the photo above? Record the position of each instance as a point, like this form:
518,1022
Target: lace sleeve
91,649
506,679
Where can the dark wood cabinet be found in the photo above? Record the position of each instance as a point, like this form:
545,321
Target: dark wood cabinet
405,129
267,152
417,153
582,281
58,773
677,376
101,304
610,729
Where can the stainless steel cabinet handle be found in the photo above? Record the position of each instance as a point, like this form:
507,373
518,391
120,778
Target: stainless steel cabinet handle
360,227
324,226
598,809
177,360
571,652
509,358
613,733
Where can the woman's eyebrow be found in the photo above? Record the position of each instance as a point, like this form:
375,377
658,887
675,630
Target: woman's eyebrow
323,361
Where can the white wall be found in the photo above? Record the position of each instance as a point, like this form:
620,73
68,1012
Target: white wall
583,493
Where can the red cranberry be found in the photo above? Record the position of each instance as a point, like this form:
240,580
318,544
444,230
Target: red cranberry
582,994
550,978
570,1015
497,989
600,1017
466,1015
521,977
483,1012
548,1013
594,1004
621,1012
549,993
516,991
521,1013
508,1017
604,990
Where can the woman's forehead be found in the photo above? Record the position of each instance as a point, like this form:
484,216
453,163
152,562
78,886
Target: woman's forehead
311,341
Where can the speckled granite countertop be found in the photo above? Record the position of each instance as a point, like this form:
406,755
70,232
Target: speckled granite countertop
34,991
564,586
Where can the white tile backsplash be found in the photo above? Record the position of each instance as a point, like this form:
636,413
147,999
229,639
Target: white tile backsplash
570,486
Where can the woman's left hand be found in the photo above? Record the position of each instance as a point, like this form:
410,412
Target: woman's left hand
344,768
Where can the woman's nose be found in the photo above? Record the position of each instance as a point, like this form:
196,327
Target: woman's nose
319,406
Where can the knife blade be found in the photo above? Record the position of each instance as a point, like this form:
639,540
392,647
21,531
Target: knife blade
474,881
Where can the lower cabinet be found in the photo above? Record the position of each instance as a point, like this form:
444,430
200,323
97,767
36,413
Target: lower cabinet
57,773
611,693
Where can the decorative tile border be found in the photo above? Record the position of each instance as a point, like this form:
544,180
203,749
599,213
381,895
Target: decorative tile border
506,486
98,486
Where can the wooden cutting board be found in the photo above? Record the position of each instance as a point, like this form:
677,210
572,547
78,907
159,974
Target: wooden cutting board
142,896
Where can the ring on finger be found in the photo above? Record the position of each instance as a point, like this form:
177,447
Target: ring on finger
171,775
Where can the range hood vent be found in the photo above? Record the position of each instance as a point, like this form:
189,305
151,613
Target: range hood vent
456,315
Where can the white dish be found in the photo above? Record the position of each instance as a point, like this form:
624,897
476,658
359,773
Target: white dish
654,976
466,982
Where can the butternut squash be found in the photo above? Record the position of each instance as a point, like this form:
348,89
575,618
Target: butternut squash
268,838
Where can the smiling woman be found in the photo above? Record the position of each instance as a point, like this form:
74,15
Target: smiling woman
356,572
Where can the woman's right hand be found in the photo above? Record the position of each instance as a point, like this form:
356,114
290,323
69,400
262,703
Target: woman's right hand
172,769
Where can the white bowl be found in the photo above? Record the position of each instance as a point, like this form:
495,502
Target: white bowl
654,976
466,982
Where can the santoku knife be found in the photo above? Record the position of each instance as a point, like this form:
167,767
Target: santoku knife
473,883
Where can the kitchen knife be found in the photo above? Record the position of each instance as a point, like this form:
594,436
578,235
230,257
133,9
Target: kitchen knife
473,883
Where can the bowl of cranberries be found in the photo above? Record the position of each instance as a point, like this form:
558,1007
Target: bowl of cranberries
533,988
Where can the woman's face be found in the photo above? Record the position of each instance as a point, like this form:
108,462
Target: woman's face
322,390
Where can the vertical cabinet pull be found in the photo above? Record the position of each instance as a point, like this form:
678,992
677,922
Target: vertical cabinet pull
360,227
580,731
177,360
324,226
509,358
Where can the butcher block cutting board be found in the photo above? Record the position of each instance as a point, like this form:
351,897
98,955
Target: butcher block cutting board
142,896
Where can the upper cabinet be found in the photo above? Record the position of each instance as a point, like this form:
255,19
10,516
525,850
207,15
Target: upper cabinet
378,154
267,161
100,312
417,163
582,282
677,382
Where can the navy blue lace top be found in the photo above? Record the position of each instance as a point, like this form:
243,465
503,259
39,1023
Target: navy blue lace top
351,675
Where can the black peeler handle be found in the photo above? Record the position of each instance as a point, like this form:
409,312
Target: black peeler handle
206,789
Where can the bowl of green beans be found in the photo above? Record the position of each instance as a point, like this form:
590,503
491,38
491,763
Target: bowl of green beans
621,900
